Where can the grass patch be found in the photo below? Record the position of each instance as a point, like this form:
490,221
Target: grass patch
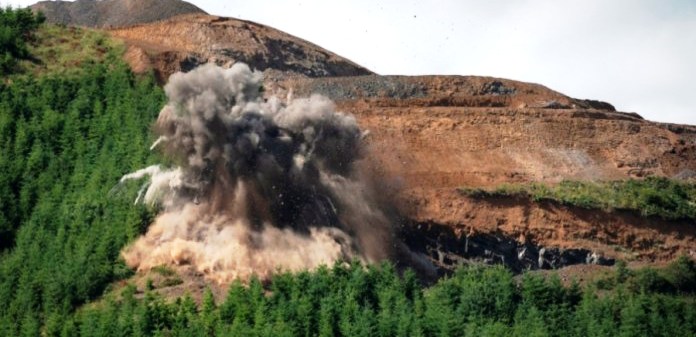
60,49
164,270
170,282
662,197
171,279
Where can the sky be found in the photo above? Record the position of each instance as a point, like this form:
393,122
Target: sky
639,55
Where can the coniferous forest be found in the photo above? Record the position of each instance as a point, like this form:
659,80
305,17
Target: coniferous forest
65,139
68,135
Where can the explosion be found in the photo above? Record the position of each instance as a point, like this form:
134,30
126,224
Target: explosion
260,185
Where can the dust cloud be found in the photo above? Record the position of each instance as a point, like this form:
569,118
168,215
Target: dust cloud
259,185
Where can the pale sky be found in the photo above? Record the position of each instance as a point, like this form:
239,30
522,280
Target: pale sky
639,55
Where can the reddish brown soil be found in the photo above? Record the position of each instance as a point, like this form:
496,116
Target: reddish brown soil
186,41
437,147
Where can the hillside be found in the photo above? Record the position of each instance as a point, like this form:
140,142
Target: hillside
112,13
255,216
430,136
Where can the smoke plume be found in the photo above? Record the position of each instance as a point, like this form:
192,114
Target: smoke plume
259,185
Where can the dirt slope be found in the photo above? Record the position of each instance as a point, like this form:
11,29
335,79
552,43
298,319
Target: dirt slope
453,131
184,42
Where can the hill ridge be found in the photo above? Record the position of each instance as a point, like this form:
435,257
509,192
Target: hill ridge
112,13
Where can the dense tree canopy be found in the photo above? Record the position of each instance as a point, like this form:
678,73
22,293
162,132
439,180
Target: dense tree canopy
64,143
353,300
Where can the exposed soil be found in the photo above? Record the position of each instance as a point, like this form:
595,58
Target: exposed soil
184,42
456,146
613,234
426,148
582,274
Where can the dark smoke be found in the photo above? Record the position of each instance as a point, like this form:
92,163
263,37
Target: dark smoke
260,185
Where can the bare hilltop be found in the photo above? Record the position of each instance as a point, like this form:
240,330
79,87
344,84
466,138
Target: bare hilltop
112,13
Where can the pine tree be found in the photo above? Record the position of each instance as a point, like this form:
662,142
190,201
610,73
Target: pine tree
634,319
209,313
327,317
530,322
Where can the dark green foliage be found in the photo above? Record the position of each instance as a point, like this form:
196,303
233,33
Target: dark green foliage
16,27
353,300
164,270
654,196
679,277
681,274
64,143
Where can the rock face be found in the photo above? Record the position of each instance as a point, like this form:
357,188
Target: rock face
112,13
184,42
442,247
608,234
